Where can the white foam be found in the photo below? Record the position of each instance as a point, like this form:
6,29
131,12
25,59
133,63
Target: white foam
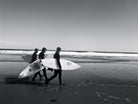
77,54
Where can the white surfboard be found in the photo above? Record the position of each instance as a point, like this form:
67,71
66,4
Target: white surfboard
31,69
66,64
49,63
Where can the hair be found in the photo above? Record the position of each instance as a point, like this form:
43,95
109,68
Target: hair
58,49
36,49
44,49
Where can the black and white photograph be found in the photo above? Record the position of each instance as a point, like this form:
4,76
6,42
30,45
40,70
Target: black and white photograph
68,51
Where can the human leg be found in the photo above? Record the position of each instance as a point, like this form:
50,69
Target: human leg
40,76
60,77
45,75
35,75
52,77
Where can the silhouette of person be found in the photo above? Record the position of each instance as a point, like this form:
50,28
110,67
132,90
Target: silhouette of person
58,71
41,56
35,57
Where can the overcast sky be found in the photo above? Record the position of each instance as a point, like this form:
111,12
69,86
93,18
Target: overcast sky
102,25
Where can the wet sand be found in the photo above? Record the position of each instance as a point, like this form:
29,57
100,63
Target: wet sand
93,83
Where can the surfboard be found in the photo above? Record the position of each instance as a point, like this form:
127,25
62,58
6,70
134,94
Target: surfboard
66,64
31,69
48,63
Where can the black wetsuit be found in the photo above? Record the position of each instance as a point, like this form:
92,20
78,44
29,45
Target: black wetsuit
56,72
41,56
57,57
34,57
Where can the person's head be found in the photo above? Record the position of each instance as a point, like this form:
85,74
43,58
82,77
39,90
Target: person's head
44,49
58,49
36,50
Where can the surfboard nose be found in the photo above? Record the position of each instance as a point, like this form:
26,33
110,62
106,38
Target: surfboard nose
21,76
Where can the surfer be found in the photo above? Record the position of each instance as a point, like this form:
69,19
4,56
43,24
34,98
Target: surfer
34,58
34,55
41,56
59,71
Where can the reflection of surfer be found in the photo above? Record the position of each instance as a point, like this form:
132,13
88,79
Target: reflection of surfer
41,56
59,71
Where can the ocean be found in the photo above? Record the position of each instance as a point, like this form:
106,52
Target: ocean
77,56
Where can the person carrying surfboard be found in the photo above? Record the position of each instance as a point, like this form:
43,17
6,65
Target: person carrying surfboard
41,56
59,71
34,58
34,55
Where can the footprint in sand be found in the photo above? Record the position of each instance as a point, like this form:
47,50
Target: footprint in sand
53,100
128,100
106,97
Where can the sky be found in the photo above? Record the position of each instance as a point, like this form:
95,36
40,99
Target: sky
90,25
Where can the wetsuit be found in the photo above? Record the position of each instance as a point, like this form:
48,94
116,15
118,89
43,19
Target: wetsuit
41,56
56,72
34,57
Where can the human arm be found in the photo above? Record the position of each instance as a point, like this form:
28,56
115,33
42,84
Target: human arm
59,64
57,57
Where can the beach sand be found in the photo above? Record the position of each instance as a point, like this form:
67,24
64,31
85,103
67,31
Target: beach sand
93,83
